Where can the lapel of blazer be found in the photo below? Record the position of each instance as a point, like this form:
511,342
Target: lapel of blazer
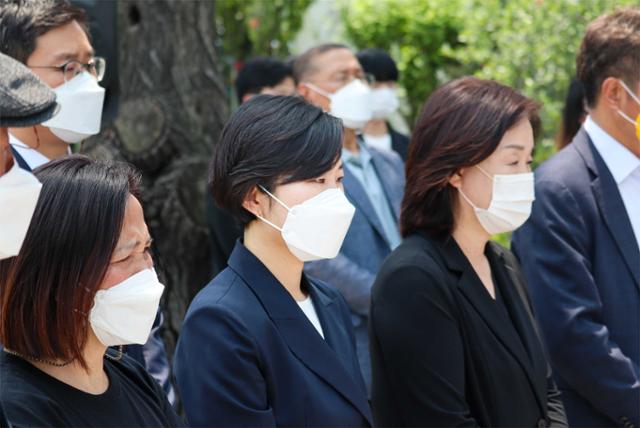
475,293
301,337
610,203
356,194
523,321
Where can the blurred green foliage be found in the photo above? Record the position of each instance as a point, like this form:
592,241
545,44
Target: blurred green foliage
258,27
528,44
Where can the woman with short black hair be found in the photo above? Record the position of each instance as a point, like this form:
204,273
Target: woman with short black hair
263,344
453,339
82,282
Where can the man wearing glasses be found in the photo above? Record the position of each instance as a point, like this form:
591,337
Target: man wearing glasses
330,77
51,38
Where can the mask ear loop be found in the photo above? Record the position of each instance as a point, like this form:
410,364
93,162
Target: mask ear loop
278,201
635,98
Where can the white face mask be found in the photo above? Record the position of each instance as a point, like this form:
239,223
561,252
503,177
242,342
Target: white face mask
80,100
124,313
511,200
384,102
351,103
19,191
315,229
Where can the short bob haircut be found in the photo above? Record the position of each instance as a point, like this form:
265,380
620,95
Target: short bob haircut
460,125
47,291
269,141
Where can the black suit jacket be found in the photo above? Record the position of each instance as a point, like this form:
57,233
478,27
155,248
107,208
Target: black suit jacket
442,353
399,143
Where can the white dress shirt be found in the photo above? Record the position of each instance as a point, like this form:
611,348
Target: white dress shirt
310,311
624,167
32,157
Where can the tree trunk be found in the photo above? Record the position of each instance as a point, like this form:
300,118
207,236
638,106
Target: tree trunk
172,107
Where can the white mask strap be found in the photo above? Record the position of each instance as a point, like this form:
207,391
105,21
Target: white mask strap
629,91
489,176
318,90
468,200
625,117
278,201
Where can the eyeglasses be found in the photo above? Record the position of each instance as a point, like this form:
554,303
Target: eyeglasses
96,67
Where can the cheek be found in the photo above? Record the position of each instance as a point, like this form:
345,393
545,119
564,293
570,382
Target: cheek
115,275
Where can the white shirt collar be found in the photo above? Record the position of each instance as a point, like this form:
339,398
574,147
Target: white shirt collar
32,157
620,160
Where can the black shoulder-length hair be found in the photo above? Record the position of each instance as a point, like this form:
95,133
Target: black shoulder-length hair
47,291
271,140
460,125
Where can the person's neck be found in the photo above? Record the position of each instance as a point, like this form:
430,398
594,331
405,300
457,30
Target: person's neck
350,141
604,121
275,255
376,128
42,140
92,380
469,233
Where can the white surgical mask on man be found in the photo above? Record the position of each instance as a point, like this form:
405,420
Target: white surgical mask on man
384,102
351,103
19,191
315,229
511,201
124,313
81,100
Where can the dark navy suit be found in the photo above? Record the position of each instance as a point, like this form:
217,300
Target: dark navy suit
248,356
152,355
582,263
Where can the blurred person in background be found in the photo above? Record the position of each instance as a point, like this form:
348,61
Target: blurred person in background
378,132
573,114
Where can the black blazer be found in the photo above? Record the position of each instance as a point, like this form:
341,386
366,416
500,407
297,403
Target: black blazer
444,355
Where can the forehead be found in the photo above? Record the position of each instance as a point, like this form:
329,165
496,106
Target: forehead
133,226
518,136
69,39
336,60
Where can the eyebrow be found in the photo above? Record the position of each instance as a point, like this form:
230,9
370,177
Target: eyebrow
68,56
132,245
514,146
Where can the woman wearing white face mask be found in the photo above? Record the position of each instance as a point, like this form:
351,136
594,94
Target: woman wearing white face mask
83,281
262,344
453,337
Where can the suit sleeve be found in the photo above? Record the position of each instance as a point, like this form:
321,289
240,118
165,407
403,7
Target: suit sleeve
553,247
353,281
427,375
218,374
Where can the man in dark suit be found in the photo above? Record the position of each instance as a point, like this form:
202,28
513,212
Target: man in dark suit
373,182
378,132
52,39
579,250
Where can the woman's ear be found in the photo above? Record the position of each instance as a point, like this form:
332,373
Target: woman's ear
255,202
456,179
